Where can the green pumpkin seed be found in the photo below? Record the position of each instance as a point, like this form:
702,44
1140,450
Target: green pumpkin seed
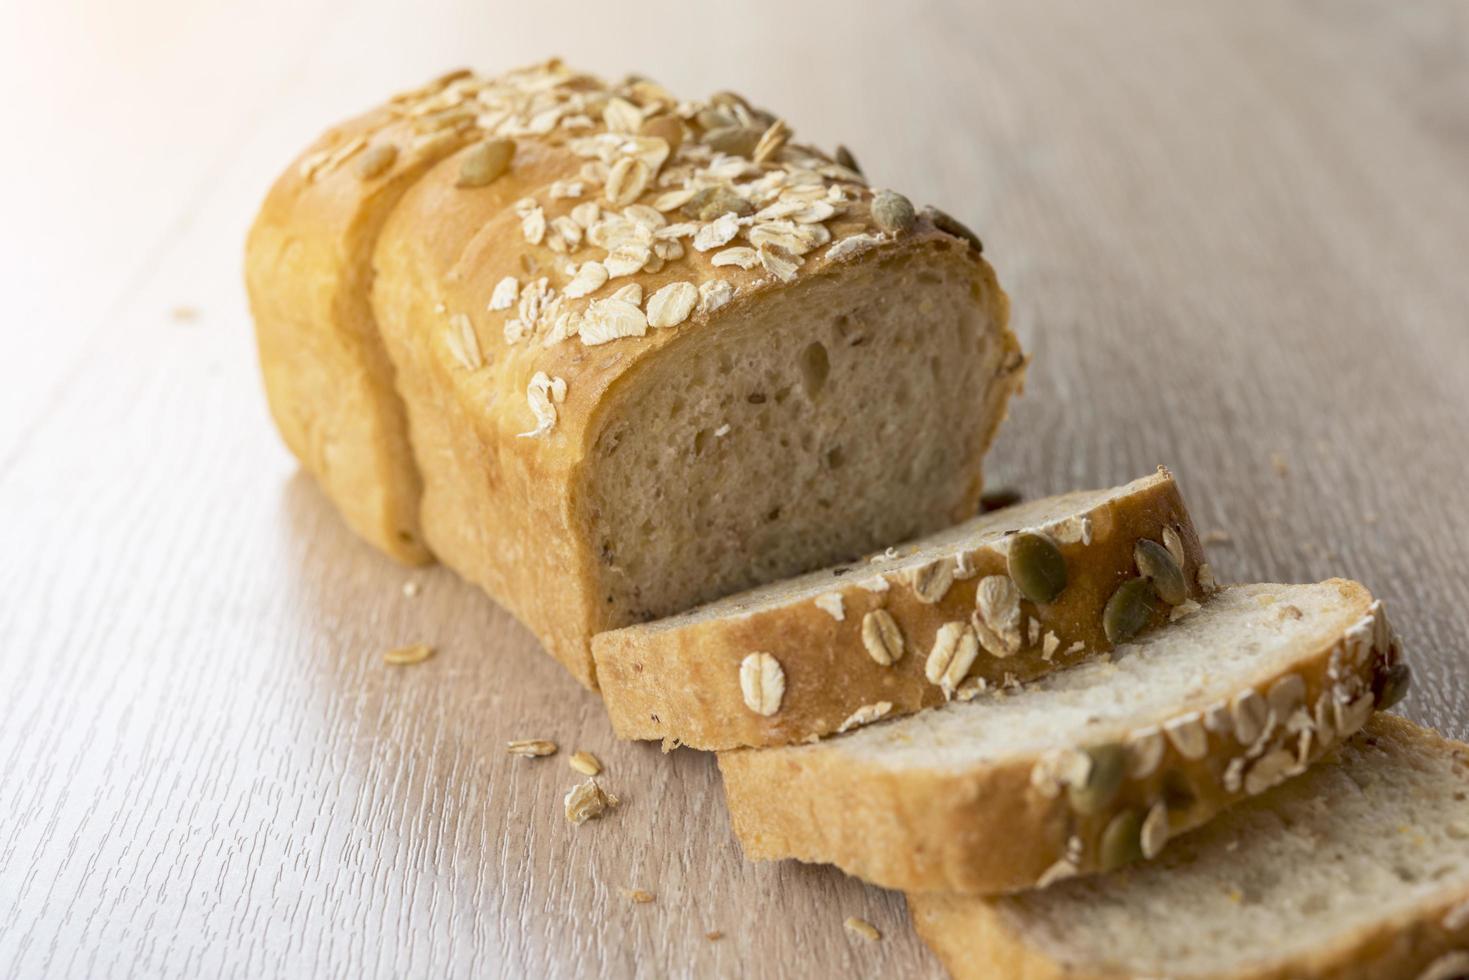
1158,567
1391,686
376,160
485,163
1103,779
737,141
1037,566
946,222
1129,610
893,212
1122,841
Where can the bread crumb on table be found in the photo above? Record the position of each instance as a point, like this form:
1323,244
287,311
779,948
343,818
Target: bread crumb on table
531,747
638,896
863,928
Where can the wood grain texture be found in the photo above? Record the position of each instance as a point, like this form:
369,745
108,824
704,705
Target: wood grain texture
1235,235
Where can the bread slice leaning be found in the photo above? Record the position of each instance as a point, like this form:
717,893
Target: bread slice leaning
853,643
1356,870
1087,768
308,269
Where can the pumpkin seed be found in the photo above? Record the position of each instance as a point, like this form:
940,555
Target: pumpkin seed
1157,566
485,163
1103,778
712,202
893,212
738,141
1037,566
947,223
1391,686
1129,610
376,160
846,159
1122,841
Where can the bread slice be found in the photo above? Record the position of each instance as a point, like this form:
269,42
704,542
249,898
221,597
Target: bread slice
308,273
852,643
1086,768
1356,870
717,413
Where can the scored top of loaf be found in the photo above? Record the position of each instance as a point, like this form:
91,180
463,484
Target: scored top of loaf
654,212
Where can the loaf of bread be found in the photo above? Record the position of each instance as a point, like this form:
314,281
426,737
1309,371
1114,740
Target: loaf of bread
1357,870
1089,767
650,351
1022,590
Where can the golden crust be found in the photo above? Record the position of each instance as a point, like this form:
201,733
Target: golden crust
682,684
936,829
976,940
327,377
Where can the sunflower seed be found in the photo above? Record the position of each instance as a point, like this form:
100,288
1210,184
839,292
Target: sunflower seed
585,763
882,637
892,212
1187,734
587,801
671,305
1128,611
531,747
406,656
763,683
1174,543
377,160
931,581
1154,836
954,651
1156,565
485,162
1037,566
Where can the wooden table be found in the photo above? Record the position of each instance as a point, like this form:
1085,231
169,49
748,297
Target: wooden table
1237,238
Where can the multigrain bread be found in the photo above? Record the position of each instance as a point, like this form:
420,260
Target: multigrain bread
308,269
1086,768
853,644
1356,870
668,354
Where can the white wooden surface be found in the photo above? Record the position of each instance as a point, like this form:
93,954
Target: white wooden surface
1236,236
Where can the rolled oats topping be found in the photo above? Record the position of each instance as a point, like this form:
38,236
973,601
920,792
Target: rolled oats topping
762,683
882,638
672,304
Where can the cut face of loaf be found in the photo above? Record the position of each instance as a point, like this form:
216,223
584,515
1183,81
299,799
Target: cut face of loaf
1357,870
1086,768
616,417
855,643
308,272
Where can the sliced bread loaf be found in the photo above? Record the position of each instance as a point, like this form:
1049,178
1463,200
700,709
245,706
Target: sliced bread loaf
1357,870
1087,768
1006,596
